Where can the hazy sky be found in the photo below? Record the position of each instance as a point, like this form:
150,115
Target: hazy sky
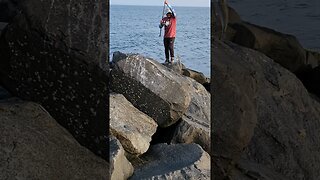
201,3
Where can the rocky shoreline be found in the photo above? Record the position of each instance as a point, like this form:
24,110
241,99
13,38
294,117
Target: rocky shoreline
154,102
57,92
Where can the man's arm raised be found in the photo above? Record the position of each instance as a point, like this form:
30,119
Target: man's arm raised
171,8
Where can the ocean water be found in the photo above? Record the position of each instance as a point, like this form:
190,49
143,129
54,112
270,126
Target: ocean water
135,29
300,18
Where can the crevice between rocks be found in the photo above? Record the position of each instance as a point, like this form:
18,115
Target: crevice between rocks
164,135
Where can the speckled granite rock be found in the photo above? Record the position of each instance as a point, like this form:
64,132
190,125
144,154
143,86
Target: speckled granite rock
154,89
160,92
53,54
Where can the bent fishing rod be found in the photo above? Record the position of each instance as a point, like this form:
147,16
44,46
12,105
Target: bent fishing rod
164,7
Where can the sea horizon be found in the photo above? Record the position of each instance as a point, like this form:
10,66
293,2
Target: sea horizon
158,6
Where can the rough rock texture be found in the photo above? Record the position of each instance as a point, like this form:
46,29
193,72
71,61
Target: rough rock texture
53,53
181,161
234,109
280,136
151,87
198,76
195,124
282,48
34,146
135,76
176,66
133,128
120,167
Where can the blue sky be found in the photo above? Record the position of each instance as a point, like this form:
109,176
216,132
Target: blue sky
195,3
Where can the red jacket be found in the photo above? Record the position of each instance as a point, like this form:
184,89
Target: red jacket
170,28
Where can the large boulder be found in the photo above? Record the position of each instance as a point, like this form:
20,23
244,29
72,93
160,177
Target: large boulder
120,167
34,146
281,138
181,161
282,48
154,89
164,95
52,53
198,76
133,128
234,109
195,123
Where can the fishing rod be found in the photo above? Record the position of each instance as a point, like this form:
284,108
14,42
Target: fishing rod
164,7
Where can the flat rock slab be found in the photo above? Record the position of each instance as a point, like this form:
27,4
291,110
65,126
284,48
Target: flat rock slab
34,146
181,161
151,87
120,167
132,127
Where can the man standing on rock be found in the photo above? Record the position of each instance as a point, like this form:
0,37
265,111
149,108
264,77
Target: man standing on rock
169,22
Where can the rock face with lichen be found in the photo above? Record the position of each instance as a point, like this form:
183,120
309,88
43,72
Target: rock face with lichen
54,55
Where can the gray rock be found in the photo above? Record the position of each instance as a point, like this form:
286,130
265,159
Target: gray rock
151,87
133,128
176,66
198,76
120,167
195,123
181,161
280,133
282,48
53,54
34,146
234,109
313,59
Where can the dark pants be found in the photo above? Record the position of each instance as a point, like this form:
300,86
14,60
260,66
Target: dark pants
168,47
